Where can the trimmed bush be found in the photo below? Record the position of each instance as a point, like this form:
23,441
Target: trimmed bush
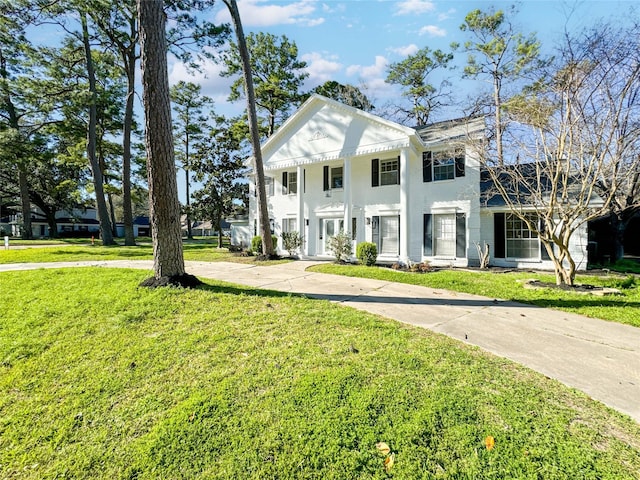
256,243
291,242
340,245
367,253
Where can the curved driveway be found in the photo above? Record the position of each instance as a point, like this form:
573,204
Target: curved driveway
600,358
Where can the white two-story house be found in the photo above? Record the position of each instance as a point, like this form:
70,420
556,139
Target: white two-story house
413,192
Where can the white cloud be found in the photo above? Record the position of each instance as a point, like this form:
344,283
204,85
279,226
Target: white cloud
433,31
446,15
414,7
406,50
333,8
378,69
257,13
209,79
321,68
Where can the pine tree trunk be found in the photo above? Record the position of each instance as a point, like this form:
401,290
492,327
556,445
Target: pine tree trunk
264,227
101,204
164,206
127,210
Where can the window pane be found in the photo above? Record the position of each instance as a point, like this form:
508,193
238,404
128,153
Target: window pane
389,232
293,182
445,235
389,172
268,185
521,242
336,177
444,169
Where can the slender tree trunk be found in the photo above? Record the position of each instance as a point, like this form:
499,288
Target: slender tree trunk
52,223
112,215
187,189
498,119
264,228
164,206
101,204
127,210
25,203
220,236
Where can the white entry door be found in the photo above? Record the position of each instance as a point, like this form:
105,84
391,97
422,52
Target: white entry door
328,228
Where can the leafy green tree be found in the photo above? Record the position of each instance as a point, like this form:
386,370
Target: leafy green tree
277,75
218,163
18,119
347,94
500,54
188,127
414,74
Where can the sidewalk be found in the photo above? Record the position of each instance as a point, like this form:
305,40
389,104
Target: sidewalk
600,358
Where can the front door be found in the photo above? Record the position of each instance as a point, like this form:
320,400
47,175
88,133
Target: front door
329,227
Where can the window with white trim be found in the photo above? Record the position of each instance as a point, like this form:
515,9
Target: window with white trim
289,183
290,224
332,178
389,172
336,177
268,185
521,242
445,165
444,230
443,169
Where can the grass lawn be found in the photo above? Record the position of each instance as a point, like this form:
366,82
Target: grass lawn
204,251
623,308
102,379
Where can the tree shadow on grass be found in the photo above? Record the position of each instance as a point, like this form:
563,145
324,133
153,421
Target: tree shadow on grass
231,289
142,254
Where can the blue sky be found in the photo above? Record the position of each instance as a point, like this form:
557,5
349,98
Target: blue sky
354,41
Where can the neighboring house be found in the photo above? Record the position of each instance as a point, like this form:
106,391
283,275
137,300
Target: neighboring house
204,228
78,222
415,192
141,227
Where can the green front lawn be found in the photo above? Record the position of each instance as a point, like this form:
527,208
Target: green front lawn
623,308
204,251
102,379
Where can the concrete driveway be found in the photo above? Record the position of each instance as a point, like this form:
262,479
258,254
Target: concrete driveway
600,358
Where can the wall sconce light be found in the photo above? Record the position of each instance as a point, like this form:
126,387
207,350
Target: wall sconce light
306,222
368,220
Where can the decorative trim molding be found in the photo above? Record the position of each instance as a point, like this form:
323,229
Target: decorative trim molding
318,135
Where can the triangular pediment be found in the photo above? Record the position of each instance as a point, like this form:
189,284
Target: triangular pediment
323,129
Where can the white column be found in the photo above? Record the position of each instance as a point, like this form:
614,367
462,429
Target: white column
300,215
346,183
404,205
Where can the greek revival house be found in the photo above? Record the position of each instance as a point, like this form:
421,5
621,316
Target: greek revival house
415,192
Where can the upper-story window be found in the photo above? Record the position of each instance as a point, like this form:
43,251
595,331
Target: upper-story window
438,166
443,169
268,186
385,172
289,183
332,178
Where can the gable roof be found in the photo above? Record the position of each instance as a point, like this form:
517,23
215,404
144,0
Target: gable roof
323,129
